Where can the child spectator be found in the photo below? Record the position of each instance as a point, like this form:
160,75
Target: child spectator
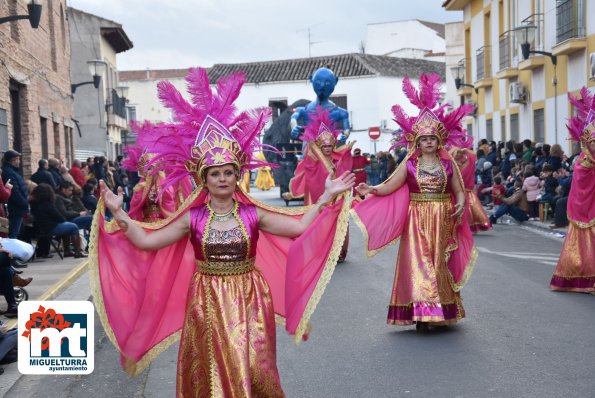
498,191
548,182
531,185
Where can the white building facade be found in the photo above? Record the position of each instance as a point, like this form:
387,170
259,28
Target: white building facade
368,87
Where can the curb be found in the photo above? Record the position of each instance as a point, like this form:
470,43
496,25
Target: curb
57,288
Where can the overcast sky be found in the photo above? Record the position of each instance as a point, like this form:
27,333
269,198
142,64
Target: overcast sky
184,33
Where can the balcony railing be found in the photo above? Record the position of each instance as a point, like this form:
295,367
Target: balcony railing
570,19
506,46
117,105
483,62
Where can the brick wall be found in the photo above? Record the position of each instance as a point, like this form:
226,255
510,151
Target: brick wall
36,67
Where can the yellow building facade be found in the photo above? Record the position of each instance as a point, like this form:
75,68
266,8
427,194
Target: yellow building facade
518,98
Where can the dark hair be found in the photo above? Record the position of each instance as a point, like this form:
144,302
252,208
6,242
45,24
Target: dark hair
497,180
547,167
527,143
65,184
528,173
518,148
546,149
538,151
89,160
480,153
42,163
88,188
42,193
92,181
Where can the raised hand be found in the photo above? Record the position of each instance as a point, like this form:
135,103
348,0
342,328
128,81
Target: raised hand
340,184
112,202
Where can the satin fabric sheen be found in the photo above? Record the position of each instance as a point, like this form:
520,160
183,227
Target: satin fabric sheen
478,218
140,296
228,345
264,179
575,270
436,253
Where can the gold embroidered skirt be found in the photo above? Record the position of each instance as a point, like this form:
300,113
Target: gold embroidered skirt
575,271
228,345
422,291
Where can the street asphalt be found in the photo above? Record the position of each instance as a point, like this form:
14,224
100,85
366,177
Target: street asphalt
519,339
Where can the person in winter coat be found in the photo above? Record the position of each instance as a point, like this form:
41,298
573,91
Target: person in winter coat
532,185
18,203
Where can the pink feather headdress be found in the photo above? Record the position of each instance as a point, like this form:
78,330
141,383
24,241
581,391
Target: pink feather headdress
432,119
582,126
321,128
208,131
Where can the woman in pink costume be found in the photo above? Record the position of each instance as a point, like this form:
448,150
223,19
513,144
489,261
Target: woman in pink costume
251,265
575,271
476,214
422,203
321,158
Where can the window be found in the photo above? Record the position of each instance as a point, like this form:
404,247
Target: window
131,113
538,126
44,138
57,152
489,130
3,131
503,128
470,129
67,143
514,127
339,100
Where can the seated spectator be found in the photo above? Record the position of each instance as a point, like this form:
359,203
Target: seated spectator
556,155
72,209
548,182
54,169
49,221
515,205
43,175
89,199
532,187
498,191
77,173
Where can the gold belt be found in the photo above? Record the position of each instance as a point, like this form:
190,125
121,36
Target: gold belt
356,170
429,197
225,268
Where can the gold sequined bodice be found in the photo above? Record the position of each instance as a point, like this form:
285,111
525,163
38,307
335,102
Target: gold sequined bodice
226,246
431,182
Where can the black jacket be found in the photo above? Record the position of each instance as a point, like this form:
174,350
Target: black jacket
45,217
18,203
43,176
68,207
56,175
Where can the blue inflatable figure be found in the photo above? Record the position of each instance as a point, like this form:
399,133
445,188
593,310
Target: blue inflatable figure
323,82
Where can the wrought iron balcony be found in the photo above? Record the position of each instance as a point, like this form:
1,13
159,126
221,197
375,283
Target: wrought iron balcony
506,46
483,62
117,106
570,19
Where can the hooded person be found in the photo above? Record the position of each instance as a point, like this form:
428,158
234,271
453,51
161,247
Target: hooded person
575,271
248,265
422,204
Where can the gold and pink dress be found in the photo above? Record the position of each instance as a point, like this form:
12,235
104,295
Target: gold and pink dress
436,253
422,290
228,345
575,271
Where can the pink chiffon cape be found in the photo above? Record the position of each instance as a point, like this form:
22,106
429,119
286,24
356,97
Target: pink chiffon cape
140,296
382,220
311,172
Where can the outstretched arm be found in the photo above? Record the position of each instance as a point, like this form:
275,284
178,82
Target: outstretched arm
278,224
387,188
135,233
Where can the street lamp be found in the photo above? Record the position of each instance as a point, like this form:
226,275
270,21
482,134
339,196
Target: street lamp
525,34
458,72
34,8
96,68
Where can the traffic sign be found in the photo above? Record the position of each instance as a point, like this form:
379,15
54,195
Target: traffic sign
374,133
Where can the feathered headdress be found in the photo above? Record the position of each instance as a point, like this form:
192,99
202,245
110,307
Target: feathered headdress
432,119
208,131
136,159
321,128
582,126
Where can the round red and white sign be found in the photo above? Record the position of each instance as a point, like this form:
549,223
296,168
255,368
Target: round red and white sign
374,133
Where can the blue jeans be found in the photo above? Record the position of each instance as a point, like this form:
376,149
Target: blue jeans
15,224
83,222
65,228
516,212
